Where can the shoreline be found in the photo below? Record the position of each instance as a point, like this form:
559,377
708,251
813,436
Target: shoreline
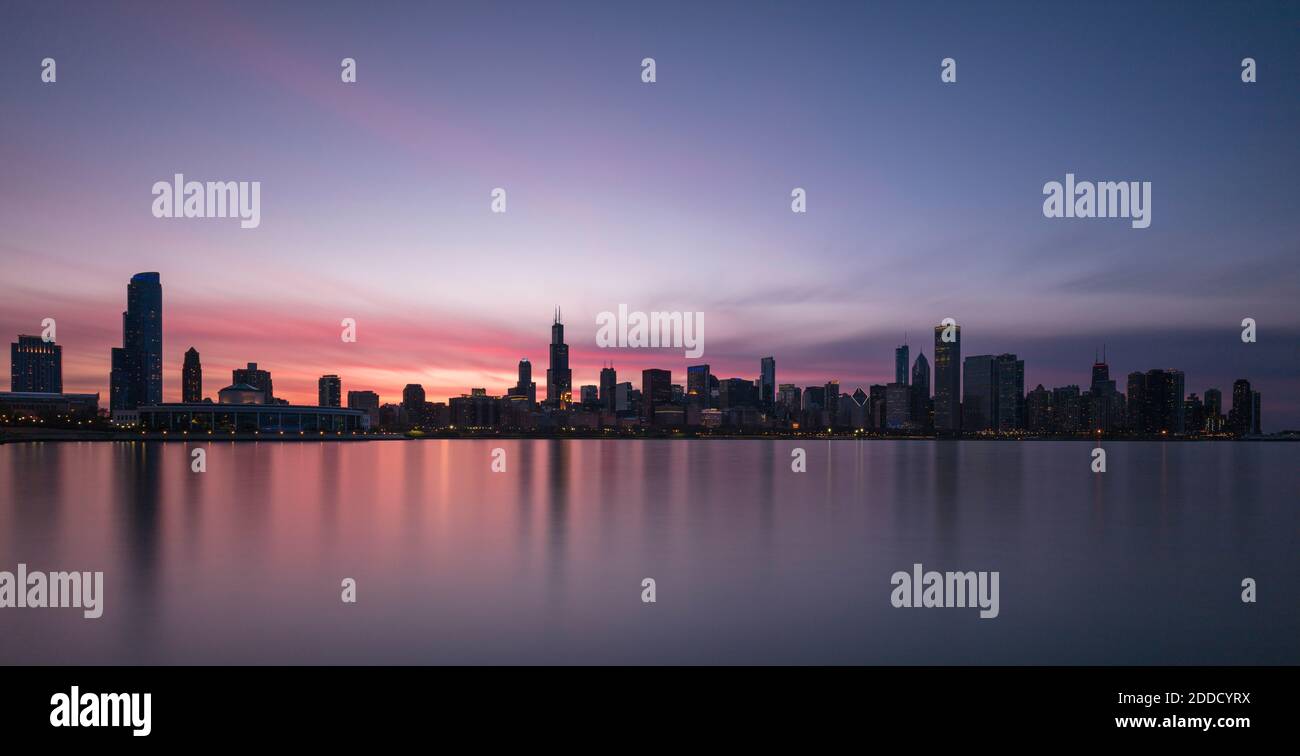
29,435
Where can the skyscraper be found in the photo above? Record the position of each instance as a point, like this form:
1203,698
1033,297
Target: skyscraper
1038,410
789,398
898,406
1064,411
1193,414
192,378
559,378
656,391
900,364
979,401
1105,401
832,396
1011,393
35,365
1240,417
136,378
624,397
1158,406
330,391
947,380
921,392
735,393
413,403
1174,401
767,383
1137,404
698,391
1213,410
525,387
608,380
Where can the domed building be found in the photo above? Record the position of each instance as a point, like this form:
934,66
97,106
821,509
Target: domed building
241,393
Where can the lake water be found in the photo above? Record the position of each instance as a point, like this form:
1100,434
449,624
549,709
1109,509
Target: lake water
753,563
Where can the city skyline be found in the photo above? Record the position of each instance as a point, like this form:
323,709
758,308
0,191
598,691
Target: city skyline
993,392
922,203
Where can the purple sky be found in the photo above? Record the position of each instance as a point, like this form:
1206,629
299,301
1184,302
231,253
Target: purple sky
924,199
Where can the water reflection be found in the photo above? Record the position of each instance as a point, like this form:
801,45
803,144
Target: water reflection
755,563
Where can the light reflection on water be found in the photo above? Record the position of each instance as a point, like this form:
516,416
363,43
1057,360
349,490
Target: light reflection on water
754,563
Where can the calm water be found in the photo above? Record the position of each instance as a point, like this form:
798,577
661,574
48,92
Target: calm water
753,563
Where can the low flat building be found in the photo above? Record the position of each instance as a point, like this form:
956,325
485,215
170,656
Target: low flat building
251,418
45,405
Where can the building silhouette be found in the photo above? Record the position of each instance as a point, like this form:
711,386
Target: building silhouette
35,365
366,401
192,378
330,391
947,381
1242,416
258,379
525,387
767,383
921,392
1155,402
559,378
656,392
413,403
1214,420
1010,405
135,379
608,382
979,401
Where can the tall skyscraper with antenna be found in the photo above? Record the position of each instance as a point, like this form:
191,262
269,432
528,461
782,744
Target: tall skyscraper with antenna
559,378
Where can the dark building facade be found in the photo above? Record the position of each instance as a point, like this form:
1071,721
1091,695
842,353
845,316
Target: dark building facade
1244,418
921,393
1010,376
1038,410
35,365
979,401
367,402
947,381
1105,403
136,378
1155,402
1066,410
656,391
1214,420
413,403
735,393
608,382
329,391
767,383
192,378
559,378
525,388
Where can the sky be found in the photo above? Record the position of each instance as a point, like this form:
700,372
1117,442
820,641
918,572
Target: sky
924,199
